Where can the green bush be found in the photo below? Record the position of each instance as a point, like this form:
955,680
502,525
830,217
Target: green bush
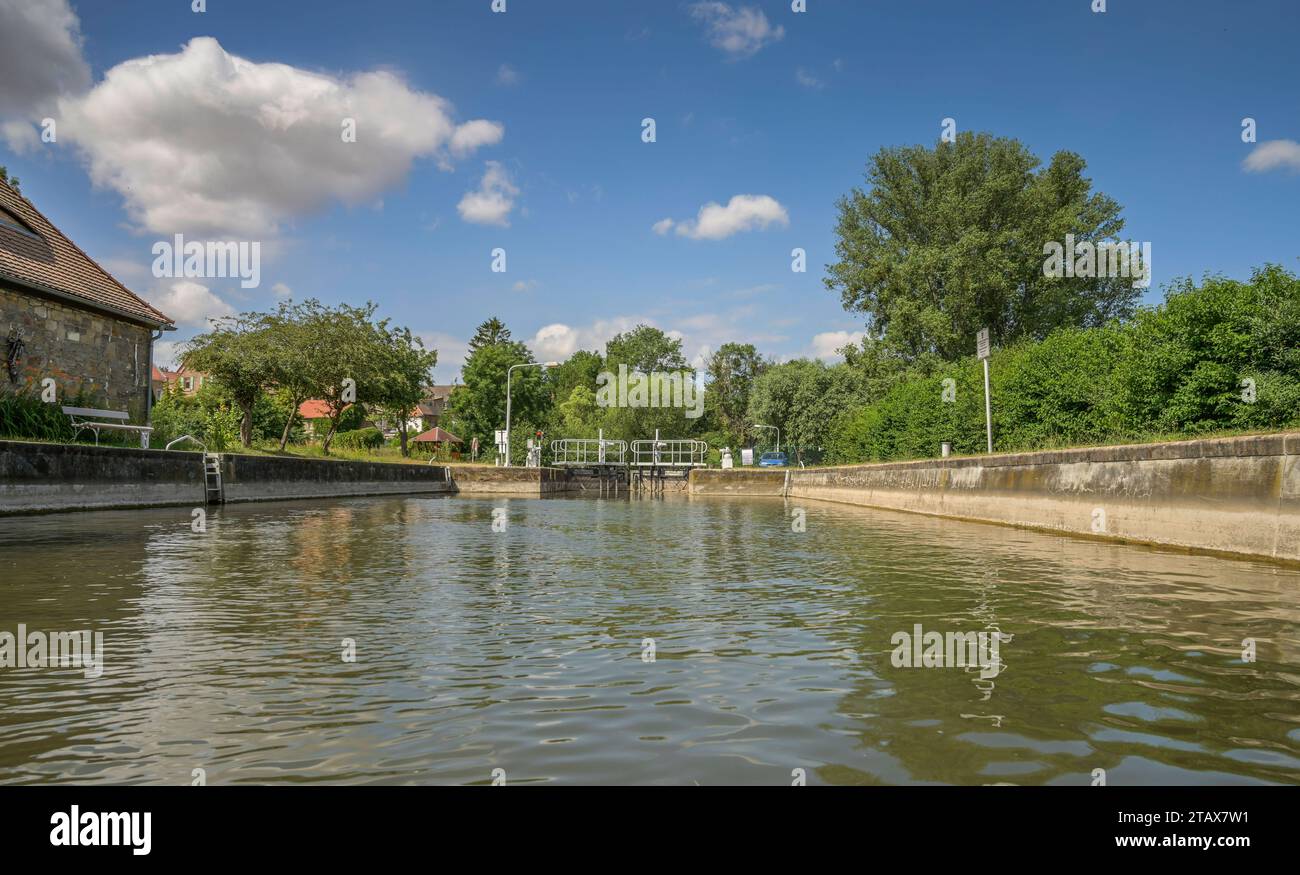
359,439
1177,368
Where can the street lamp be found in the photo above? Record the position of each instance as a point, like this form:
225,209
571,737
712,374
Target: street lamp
778,434
509,371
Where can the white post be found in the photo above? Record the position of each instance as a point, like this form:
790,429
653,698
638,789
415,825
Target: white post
988,407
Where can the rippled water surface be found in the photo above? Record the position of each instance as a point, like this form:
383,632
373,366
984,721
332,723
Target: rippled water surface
525,650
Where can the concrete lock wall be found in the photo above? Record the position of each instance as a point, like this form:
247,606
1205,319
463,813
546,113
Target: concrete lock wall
1238,496
38,478
510,481
270,478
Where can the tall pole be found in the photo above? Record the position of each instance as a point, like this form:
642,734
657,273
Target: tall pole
988,407
510,370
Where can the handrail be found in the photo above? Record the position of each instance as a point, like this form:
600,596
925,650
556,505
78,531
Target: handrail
186,437
669,453
588,451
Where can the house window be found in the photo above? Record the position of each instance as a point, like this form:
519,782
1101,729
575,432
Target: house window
188,383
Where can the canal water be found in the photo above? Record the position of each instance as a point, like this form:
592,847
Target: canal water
648,641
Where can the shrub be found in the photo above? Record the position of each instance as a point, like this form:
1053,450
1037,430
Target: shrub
25,415
1178,368
359,439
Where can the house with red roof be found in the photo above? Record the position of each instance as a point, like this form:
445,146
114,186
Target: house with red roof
63,317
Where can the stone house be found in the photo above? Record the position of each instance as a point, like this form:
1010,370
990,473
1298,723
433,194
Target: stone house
64,317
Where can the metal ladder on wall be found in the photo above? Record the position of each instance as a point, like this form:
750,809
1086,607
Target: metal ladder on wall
212,478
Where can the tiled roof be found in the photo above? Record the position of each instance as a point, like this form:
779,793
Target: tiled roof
315,409
49,260
436,435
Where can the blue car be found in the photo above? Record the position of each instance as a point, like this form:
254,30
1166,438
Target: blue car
773,460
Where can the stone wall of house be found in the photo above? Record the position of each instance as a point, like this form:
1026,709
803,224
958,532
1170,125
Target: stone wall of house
105,358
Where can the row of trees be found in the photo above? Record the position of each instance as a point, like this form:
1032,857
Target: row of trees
338,354
942,242
1214,356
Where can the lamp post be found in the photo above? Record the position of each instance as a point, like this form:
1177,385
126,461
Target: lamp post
509,371
778,434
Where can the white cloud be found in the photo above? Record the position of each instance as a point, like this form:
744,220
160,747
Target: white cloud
451,354
40,60
744,212
189,303
492,202
808,80
507,75
281,290
166,354
740,32
204,142
826,346
1273,155
554,342
524,285
700,333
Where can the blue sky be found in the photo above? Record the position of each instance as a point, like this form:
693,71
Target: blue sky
749,98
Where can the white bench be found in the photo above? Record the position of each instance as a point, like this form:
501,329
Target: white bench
80,423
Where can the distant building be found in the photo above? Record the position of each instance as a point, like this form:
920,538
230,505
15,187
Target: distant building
434,405
187,380
63,317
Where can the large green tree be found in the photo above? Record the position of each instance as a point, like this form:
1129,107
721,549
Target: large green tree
237,353
407,368
647,350
478,407
732,371
950,239
803,398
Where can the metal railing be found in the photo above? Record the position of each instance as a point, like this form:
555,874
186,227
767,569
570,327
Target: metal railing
588,451
185,437
669,454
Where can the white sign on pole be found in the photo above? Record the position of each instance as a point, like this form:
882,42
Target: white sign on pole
746,456
982,349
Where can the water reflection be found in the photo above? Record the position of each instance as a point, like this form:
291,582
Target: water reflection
522,649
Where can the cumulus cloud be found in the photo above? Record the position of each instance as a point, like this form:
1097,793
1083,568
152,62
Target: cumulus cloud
204,142
189,303
492,202
282,290
524,285
559,341
554,342
1274,155
744,212
827,345
166,353
740,32
40,60
451,354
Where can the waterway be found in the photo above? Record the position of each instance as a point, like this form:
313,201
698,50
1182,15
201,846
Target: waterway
670,640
